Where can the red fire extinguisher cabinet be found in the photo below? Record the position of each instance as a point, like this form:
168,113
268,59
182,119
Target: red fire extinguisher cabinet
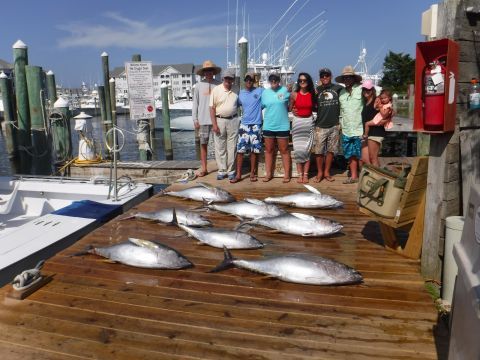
426,53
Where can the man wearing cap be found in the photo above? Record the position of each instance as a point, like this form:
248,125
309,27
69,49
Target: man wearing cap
250,131
327,128
225,122
351,105
201,109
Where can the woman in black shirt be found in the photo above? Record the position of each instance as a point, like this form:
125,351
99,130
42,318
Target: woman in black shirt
371,146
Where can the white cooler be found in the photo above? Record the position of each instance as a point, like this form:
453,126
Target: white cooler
465,325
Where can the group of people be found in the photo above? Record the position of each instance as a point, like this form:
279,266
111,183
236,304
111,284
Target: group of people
256,119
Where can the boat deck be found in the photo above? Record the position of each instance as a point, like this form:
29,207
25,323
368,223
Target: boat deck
96,309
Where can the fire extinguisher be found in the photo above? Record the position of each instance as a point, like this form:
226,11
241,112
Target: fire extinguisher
434,92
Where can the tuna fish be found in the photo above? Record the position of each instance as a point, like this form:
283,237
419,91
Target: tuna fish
248,208
307,200
203,192
220,238
142,253
297,224
184,217
297,268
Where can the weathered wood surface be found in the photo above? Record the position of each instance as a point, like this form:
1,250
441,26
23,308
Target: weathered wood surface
94,309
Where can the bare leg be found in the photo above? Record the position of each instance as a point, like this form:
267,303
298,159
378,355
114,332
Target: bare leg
286,159
238,175
354,167
328,166
306,169
300,173
365,153
269,149
373,150
203,157
253,166
319,162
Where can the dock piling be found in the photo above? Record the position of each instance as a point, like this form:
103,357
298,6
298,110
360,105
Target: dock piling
42,164
20,58
243,54
167,138
6,87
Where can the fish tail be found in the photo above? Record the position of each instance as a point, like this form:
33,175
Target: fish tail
174,217
127,217
226,263
242,224
87,250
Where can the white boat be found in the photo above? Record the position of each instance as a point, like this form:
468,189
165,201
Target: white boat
181,123
41,216
182,104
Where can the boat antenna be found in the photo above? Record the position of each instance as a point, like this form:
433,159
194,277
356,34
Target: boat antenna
292,17
228,29
275,25
236,35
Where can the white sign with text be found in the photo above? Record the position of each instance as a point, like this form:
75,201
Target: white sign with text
140,89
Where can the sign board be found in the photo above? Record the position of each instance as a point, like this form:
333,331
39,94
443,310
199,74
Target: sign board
140,89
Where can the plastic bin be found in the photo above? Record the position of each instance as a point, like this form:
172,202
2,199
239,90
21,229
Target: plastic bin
453,234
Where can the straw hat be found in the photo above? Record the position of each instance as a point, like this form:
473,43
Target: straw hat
348,71
209,65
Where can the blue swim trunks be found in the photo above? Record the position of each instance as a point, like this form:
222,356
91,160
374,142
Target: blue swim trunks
249,139
352,146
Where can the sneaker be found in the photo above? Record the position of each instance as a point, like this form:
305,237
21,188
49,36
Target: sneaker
231,176
221,176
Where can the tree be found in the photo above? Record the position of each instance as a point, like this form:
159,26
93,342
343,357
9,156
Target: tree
399,71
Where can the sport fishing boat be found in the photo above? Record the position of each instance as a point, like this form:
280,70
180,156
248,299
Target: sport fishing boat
40,216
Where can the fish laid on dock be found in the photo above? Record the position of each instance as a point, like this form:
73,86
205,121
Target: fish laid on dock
313,199
184,217
142,253
297,224
297,268
203,192
248,208
220,238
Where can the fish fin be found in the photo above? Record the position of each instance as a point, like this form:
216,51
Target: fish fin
312,189
274,231
174,217
88,250
127,217
205,185
303,216
307,234
242,224
255,201
143,243
108,261
245,228
226,263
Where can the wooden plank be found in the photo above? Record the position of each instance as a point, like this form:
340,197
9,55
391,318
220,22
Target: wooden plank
413,247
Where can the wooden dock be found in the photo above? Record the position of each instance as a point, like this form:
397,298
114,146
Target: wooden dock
94,309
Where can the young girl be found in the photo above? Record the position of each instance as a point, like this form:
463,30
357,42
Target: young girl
375,128
385,112
302,103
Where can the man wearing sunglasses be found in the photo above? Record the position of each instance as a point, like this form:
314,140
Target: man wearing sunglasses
327,133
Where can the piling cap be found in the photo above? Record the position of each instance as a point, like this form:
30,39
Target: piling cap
61,103
3,75
50,72
112,80
104,54
82,115
243,40
19,45
163,86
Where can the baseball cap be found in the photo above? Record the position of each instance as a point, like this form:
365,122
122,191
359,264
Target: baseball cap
367,84
228,73
250,75
326,71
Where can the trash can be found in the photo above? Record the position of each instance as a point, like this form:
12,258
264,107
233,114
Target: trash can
453,234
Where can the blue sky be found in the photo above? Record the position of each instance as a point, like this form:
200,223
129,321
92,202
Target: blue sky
68,37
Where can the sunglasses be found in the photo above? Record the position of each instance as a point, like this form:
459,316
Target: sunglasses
302,80
248,79
325,76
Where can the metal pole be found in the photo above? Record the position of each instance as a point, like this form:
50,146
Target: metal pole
114,149
113,105
243,49
106,78
39,132
20,58
167,139
9,119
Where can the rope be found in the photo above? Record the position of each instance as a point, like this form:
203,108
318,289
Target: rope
28,278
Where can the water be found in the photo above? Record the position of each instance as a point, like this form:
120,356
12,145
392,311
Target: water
183,142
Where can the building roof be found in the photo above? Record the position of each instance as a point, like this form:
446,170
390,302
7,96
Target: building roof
187,68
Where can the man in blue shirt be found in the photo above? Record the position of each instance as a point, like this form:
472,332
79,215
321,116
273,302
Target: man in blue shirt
250,131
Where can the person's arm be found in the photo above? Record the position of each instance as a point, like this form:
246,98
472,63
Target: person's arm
213,113
291,103
196,123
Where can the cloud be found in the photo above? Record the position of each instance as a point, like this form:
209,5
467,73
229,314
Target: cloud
128,33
